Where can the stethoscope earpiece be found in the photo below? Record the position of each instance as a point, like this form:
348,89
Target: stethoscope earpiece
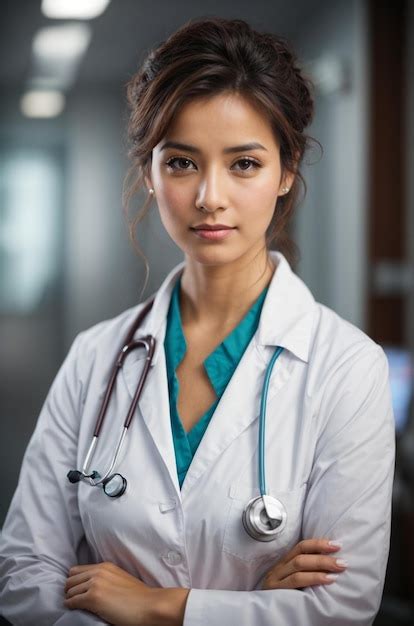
264,518
74,476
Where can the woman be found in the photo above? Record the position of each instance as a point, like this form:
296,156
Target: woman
217,129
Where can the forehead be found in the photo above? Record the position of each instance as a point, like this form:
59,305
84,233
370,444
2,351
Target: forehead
222,119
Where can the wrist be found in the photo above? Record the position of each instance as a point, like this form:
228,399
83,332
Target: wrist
168,606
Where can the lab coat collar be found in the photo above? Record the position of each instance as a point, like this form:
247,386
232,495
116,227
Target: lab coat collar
286,319
288,311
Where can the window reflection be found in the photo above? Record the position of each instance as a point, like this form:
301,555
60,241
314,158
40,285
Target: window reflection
29,228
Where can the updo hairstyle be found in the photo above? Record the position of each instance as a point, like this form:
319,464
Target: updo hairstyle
211,56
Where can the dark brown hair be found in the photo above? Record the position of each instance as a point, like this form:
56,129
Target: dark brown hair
210,56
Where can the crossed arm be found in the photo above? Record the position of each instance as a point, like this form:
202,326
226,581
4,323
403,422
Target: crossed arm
351,476
119,598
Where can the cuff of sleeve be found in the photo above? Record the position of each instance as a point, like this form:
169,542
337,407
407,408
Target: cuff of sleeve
211,606
194,608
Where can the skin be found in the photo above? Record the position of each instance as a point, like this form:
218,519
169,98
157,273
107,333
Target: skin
221,279
220,282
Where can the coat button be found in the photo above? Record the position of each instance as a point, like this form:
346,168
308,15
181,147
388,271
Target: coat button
174,558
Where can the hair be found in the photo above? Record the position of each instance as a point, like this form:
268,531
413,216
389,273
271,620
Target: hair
211,56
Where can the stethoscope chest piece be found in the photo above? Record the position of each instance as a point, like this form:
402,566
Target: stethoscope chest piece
115,485
264,518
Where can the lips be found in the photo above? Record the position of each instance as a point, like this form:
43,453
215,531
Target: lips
213,234
215,227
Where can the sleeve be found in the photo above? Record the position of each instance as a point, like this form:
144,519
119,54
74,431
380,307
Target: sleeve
42,536
348,500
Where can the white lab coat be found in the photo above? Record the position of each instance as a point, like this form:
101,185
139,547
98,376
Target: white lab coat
329,458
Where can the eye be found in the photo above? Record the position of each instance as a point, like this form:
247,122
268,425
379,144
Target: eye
175,164
174,160
255,164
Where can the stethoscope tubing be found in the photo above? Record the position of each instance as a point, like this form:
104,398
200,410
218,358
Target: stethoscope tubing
115,484
129,345
262,421
149,344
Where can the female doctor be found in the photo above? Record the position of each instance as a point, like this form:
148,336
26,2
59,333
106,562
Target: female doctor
253,484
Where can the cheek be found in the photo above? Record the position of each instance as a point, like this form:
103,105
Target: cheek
172,199
256,199
173,205
259,202
176,199
173,195
260,189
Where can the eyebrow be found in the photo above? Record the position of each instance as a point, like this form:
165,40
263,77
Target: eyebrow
184,146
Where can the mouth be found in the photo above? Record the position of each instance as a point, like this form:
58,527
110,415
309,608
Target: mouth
211,227
213,234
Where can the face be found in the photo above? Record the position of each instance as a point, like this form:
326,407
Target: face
236,186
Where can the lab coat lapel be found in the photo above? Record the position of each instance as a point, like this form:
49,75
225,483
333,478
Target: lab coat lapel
154,404
286,320
237,409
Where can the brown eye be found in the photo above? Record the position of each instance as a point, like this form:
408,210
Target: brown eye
171,163
252,164
178,164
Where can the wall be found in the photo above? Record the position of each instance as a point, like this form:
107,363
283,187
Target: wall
331,224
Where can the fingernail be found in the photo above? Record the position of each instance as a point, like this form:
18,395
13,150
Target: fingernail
337,544
331,576
342,562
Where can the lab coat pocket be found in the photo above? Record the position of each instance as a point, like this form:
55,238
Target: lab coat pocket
238,543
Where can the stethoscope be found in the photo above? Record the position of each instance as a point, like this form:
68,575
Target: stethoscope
264,516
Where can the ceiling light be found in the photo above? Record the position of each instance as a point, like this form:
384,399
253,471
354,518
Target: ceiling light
42,103
62,42
73,9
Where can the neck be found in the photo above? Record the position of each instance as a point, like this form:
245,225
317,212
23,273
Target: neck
216,296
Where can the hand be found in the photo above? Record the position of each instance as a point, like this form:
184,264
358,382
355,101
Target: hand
112,593
305,565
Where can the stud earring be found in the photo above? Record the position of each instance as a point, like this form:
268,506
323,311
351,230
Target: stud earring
285,189
151,191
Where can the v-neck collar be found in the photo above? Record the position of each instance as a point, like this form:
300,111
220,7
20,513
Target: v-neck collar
222,361
220,365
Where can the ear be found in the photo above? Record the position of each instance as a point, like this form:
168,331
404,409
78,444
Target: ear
148,182
146,173
288,178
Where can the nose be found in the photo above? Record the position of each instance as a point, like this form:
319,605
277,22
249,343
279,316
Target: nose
211,193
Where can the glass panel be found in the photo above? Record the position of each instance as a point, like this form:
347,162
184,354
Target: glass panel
29,225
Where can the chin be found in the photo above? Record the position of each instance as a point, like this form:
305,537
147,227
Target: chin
213,255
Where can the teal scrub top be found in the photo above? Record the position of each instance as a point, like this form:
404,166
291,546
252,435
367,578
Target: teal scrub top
219,365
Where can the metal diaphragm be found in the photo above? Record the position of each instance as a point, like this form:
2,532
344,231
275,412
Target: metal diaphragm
115,485
258,524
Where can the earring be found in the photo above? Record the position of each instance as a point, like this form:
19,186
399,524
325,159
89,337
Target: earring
285,189
151,191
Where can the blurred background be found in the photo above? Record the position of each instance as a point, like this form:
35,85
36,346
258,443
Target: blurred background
65,257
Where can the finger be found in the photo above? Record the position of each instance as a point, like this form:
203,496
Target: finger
313,563
307,563
77,569
76,579
80,601
77,589
311,546
301,580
